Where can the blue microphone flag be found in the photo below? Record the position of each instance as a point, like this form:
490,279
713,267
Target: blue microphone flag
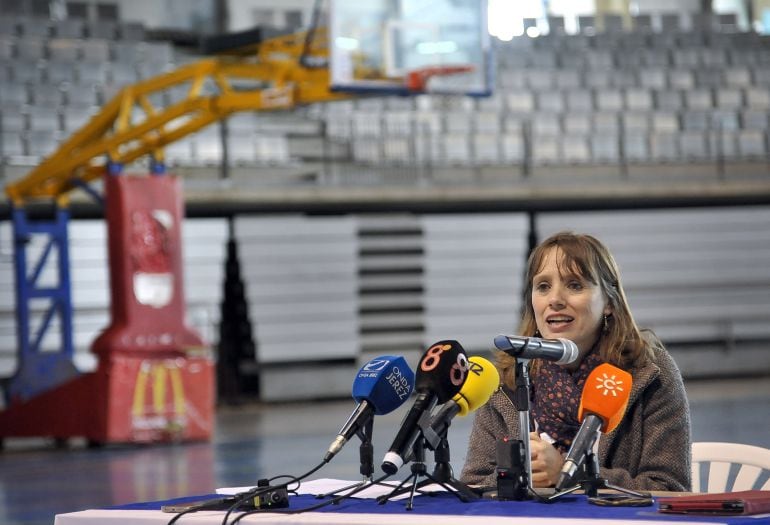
386,382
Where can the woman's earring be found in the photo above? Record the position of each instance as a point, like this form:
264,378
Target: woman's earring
606,327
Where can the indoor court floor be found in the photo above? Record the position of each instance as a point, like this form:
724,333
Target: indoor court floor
252,441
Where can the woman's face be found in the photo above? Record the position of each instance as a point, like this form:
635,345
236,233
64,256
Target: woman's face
566,305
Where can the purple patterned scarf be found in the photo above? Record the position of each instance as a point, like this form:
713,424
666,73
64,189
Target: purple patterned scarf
556,394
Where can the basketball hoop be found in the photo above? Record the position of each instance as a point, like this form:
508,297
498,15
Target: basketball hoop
417,80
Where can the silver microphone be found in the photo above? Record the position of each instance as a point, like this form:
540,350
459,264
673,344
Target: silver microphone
561,351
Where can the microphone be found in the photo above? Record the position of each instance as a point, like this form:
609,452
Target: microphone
602,406
562,351
381,386
439,377
482,381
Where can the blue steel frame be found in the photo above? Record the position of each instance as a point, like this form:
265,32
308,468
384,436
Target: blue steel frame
38,370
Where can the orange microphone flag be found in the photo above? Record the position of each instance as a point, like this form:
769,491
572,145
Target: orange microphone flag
605,394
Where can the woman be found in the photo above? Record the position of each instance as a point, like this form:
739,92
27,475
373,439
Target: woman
573,291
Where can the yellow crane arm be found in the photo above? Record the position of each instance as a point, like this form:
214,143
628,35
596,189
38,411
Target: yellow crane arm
130,126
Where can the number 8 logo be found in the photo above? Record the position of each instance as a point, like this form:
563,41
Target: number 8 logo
433,357
458,370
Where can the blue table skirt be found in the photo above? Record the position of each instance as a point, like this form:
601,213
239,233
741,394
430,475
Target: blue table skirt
570,506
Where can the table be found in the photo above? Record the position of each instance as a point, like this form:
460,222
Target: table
441,508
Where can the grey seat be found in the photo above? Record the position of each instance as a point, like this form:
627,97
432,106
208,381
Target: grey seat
31,48
41,143
605,148
25,71
698,99
512,148
636,147
579,100
95,50
725,120
12,144
131,31
74,118
43,118
577,123
486,149
12,119
653,77
568,79
696,120
576,149
738,77
46,95
664,122
240,148
546,150
668,100
681,78
752,144
80,96
694,145
608,99
664,147
13,94
550,101
638,99
487,122
729,98
757,98
642,23
63,50
635,122
68,28
102,29
33,26
754,120
61,72
723,144
457,149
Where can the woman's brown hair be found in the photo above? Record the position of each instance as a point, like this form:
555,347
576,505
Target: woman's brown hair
621,342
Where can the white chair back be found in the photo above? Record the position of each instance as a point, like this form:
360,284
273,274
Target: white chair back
752,461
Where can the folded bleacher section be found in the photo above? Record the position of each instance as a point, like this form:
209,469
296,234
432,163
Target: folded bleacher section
676,94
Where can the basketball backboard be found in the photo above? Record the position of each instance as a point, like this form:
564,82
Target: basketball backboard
377,45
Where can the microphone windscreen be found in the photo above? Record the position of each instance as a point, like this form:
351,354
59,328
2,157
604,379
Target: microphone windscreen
482,381
386,382
605,394
442,370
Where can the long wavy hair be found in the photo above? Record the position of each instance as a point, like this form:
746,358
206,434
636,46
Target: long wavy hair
621,342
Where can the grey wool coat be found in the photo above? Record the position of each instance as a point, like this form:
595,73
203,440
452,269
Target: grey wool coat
649,450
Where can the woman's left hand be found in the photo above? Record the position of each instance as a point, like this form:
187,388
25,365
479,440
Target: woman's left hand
546,461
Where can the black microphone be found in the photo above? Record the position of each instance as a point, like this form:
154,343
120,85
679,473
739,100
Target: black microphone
562,351
440,375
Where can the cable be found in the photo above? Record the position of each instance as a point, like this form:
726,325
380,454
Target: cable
259,490
334,500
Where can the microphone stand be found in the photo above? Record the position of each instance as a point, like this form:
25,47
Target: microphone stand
592,482
521,401
442,474
366,455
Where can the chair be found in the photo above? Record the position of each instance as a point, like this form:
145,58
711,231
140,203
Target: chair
719,457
